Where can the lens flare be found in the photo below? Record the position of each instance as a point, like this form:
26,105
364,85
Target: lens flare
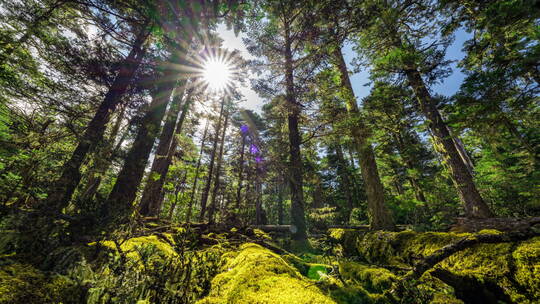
217,74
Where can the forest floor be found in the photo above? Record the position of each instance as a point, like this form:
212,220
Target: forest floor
179,264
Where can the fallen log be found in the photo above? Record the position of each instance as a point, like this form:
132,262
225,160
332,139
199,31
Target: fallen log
464,224
430,261
276,228
400,287
366,227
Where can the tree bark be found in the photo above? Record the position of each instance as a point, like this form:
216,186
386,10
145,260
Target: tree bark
380,217
64,186
344,178
153,186
177,190
212,209
280,202
196,179
102,161
471,199
240,172
298,217
155,207
410,164
206,191
120,201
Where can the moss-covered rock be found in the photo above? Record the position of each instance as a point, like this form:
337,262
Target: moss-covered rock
257,275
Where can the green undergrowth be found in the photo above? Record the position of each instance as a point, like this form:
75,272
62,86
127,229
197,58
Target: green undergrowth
157,268
22,283
506,272
183,266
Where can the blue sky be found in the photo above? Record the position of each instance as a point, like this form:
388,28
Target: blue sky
449,86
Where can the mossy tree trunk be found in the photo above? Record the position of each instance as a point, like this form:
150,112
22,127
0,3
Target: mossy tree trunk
380,217
241,172
295,161
471,199
153,187
162,167
102,161
197,170
65,185
206,190
344,178
212,209
120,201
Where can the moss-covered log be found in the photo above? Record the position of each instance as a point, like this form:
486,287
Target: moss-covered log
504,271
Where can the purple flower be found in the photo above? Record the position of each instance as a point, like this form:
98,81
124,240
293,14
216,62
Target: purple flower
258,159
253,149
244,129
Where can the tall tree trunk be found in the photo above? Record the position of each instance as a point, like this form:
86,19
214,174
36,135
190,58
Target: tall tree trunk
473,203
212,209
344,178
241,172
177,190
206,191
280,202
260,216
120,201
156,204
153,186
411,165
64,186
379,214
197,169
102,161
298,217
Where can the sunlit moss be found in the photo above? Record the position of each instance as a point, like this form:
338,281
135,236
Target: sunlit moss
371,278
527,266
261,234
257,275
130,247
514,268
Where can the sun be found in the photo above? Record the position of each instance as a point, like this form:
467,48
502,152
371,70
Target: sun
217,73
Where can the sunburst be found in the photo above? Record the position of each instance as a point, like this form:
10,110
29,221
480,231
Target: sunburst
217,73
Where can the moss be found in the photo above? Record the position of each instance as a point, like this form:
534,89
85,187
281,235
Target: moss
261,234
437,290
512,268
527,266
131,246
21,283
256,275
310,265
317,271
356,295
346,239
375,280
